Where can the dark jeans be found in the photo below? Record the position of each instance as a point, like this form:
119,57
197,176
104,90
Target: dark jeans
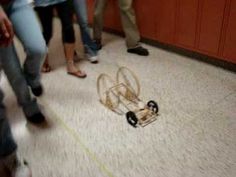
7,143
65,14
27,29
80,8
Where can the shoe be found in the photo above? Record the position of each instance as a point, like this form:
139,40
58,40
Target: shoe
78,73
32,112
91,58
37,91
139,51
36,118
91,54
98,43
17,167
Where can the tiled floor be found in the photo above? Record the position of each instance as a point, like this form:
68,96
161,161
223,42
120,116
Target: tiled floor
195,134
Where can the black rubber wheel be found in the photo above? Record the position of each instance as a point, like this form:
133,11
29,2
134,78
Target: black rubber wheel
152,105
131,118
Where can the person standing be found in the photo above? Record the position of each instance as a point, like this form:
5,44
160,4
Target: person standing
90,47
10,23
17,16
44,9
128,22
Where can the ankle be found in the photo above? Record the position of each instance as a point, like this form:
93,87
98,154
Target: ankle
71,66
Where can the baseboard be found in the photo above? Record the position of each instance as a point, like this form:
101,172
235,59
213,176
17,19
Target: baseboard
185,52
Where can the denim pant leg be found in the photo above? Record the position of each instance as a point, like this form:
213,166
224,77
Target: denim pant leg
80,7
7,143
12,68
28,31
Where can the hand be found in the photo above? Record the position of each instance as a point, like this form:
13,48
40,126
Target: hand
6,29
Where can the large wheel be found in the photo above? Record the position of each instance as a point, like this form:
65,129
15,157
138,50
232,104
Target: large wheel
108,98
127,77
131,118
153,106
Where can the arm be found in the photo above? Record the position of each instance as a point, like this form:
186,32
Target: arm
6,29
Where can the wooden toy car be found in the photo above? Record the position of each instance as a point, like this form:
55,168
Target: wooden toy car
122,95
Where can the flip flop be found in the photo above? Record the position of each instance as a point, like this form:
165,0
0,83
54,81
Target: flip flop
79,74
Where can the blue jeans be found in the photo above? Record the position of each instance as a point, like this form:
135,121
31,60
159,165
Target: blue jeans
28,31
80,7
7,143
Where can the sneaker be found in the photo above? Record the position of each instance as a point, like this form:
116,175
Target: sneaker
139,51
37,91
34,84
16,166
90,54
91,58
32,112
36,118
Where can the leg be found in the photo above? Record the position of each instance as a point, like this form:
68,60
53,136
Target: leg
32,41
130,28
45,15
12,68
80,7
90,46
8,147
7,143
68,36
129,23
100,6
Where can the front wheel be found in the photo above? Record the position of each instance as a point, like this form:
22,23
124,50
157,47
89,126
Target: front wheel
131,118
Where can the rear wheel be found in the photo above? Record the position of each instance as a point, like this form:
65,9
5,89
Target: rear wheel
107,97
153,106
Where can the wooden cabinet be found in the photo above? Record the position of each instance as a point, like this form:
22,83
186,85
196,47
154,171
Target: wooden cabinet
112,16
186,22
229,44
211,20
146,18
165,15
90,8
204,26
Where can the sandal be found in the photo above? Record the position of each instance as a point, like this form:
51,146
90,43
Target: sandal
79,74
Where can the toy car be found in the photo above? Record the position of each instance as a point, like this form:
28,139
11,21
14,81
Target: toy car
122,95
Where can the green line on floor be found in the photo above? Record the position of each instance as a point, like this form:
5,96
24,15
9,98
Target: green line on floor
73,133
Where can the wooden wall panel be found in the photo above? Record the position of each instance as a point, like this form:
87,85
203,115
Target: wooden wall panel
147,18
112,16
109,15
186,22
90,7
165,16
229,51
211,25
205,26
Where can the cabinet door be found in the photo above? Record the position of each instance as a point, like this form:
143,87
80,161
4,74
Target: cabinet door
165,15
90,6
112,16
146,17
212,13
186,22
229,51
